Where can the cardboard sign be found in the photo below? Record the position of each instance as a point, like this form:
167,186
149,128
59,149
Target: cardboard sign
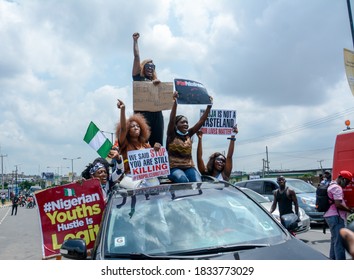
191,92
219,122
69,211
152,98
148,163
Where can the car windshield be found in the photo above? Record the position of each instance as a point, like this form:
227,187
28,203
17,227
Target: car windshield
300,186
169,222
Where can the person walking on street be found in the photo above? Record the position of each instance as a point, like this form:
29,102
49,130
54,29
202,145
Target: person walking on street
336,215
284,197
3,199
15,201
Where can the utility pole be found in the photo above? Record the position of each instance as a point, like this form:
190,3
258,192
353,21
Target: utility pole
72,166
350,20
2,170
267,161
111,133
320,161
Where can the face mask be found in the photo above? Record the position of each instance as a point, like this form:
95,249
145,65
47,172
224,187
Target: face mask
181,133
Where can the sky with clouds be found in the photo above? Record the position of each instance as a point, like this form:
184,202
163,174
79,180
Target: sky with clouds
278,63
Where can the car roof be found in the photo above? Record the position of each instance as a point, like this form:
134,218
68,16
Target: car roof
173,187
272,179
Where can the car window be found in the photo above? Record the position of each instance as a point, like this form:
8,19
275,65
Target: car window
257,186
300,186
161,225
269,187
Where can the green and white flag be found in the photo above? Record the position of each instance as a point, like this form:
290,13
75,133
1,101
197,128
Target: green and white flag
69,192
96,139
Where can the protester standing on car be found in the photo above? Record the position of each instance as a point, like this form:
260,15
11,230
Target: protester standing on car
218,165
336,215
284,197
179,145
145,71
133,134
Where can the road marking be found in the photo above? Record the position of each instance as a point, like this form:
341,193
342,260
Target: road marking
3,218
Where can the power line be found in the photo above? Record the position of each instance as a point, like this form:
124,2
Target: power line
298,127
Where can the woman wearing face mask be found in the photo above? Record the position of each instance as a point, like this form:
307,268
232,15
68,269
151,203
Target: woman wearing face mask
218,165
179,145
145,72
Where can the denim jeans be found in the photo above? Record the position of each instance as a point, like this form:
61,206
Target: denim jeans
337,251
184,176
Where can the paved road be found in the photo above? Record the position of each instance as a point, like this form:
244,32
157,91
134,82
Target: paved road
20,237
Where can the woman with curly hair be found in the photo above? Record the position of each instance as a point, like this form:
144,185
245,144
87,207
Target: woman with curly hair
133,134
179,145
218,165
145,72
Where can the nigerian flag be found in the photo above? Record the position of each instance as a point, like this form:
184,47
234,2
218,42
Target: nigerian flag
96,139
69,192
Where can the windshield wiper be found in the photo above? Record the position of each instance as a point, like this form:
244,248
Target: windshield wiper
184,254
221,249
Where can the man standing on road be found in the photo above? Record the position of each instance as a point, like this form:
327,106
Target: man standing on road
3,199
285,197
336,215
15,201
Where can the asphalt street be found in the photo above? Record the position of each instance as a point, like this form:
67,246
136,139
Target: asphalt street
20,237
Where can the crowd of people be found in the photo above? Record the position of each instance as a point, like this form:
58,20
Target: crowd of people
144,129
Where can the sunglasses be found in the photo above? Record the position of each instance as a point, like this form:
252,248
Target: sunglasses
149,66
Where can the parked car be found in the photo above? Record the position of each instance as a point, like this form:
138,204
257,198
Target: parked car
208,220
305,192
303,225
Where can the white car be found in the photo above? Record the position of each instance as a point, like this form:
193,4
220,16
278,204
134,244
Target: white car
304,224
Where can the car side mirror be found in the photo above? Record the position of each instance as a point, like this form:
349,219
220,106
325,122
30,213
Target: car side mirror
74,249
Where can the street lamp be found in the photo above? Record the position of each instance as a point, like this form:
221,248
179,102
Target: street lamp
111,133
72,166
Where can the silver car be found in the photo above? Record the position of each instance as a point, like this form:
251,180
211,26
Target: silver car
303,225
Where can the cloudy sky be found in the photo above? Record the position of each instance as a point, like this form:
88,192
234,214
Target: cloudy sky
278,63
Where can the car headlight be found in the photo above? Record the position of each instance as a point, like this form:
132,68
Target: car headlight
309,202
301,213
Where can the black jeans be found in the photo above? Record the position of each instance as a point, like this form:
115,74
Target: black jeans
14,207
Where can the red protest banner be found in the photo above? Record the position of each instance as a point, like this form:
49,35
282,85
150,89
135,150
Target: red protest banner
69,211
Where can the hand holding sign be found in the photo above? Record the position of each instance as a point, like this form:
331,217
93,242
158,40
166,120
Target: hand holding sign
191,92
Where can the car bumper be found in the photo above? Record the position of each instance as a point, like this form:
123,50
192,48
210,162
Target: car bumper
304,226
315,216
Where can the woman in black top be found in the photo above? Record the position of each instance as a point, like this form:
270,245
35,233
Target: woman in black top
145,71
